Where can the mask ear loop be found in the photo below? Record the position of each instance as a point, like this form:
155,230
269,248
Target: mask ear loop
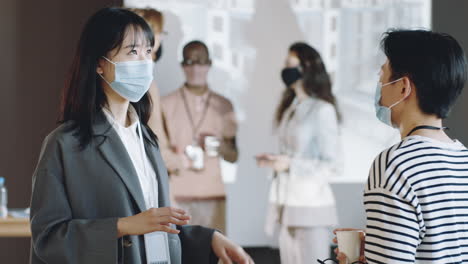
101,74
108,60
102,77
383,85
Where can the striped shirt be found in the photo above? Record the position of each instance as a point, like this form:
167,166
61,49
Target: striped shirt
416,202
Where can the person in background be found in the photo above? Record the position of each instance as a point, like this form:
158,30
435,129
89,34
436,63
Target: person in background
155,20
201,128
301,199
417,191
100,189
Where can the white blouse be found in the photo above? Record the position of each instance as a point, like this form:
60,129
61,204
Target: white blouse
145,171
309,135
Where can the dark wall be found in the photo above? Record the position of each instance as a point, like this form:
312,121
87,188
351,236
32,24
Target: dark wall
449,16
38,39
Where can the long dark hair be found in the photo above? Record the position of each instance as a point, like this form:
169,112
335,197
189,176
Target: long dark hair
83,96
316,81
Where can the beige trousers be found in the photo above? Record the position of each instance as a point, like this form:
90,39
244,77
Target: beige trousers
208,213
304,245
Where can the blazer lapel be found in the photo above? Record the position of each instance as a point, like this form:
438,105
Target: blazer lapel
114,152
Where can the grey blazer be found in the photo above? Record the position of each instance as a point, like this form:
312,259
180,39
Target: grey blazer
78,195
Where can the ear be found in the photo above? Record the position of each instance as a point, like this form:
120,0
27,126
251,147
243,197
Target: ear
99,69
407,86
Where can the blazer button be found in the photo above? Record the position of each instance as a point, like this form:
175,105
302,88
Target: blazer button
127,243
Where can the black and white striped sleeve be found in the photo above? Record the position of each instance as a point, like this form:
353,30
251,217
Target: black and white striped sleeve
394,226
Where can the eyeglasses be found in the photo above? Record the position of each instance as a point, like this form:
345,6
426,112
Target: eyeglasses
327,261
195,62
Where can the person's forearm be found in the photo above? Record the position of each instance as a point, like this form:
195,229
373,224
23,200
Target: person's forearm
228,150
173,160
121,227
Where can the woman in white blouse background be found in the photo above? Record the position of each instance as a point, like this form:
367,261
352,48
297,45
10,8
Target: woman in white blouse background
301,200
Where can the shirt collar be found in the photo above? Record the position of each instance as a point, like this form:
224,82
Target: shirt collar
134,120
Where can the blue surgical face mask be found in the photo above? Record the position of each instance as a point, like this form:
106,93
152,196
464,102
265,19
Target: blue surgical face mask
132,79
384,113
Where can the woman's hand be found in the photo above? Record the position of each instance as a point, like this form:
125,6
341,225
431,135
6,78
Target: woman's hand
154,219
340,256
227,251
279,163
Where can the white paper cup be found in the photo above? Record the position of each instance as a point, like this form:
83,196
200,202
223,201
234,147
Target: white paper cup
212,146
349,242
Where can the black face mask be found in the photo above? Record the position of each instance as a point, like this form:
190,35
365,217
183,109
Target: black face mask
158,53
290,75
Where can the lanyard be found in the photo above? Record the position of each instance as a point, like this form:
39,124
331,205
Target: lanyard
196,127
425,127
156,243
152,198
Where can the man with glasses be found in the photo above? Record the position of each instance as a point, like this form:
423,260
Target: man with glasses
201,130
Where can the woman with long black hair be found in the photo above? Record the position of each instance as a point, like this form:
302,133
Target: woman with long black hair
100,189
301,200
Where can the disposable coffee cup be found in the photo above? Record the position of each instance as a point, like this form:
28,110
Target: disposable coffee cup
349,242
195,154
211,146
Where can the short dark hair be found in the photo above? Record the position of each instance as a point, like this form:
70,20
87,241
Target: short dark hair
83,96
195,44
434,62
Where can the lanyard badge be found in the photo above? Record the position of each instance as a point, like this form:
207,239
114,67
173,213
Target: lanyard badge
156,243
157,248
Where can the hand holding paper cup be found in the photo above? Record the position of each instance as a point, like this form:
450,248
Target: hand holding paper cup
350,243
